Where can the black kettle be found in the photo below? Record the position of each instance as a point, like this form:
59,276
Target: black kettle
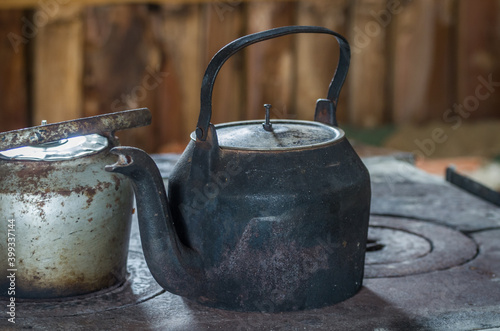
266,216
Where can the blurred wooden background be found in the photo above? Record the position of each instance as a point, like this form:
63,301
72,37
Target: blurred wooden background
412,61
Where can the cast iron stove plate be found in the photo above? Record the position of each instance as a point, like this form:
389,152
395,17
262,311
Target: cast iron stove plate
402,246
419,275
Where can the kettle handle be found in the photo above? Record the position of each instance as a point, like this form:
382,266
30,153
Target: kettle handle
325,108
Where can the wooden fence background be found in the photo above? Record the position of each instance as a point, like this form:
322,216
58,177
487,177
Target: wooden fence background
412,62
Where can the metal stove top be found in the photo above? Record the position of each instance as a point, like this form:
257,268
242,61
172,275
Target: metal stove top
432,263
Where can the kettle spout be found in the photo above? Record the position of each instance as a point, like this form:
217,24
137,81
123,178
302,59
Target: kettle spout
176,267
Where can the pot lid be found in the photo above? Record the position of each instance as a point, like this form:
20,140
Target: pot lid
280,135
106,124
69,139
64,149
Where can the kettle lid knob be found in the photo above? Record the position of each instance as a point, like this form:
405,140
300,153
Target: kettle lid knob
267,125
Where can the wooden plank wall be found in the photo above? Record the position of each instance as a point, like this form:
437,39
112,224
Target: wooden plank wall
412,62
14,109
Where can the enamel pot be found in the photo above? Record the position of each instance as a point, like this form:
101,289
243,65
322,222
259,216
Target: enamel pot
65,222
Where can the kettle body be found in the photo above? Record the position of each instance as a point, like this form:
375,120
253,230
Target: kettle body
278,231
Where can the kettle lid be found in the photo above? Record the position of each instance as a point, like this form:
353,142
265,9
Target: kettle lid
281,135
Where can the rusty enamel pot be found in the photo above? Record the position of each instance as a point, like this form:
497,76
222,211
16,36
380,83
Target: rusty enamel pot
259,216
65,221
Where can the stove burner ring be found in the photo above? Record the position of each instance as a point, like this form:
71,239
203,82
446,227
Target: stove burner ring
139,287
400,247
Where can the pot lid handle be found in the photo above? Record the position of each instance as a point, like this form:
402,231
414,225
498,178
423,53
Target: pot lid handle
105,124
233,47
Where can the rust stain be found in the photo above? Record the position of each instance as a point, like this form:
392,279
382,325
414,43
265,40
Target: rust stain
102,186
117,181
33,170
64,193
90,219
